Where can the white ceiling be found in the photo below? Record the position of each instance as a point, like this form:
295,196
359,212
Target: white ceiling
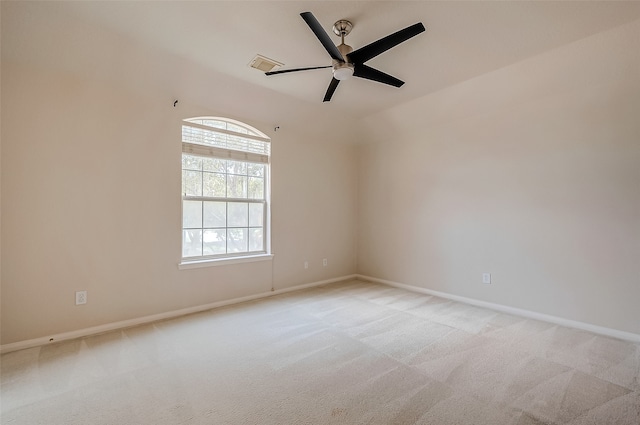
463,39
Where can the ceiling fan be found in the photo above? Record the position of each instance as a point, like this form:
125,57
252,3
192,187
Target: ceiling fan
348,62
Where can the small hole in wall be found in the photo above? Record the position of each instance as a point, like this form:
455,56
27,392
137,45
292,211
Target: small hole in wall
50,339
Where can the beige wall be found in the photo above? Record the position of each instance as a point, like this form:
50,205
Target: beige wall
531,173
91,180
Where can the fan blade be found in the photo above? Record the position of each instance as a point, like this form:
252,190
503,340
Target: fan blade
364,71
322,36
372,50
284,71
332,87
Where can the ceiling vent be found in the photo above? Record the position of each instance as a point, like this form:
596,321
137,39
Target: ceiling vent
264,64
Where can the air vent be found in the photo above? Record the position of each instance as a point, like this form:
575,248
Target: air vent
264,64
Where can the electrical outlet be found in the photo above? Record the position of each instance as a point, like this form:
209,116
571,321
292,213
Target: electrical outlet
324,262
81,297
306,265
486,277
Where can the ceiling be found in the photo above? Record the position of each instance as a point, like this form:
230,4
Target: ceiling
463,39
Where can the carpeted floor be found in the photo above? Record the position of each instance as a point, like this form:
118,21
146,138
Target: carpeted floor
346,353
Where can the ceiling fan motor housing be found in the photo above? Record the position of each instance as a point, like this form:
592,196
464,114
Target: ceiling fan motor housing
343,70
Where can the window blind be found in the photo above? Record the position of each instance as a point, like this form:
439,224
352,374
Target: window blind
199,139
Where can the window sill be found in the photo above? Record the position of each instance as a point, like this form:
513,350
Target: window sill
185,265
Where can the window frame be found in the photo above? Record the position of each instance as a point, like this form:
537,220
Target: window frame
257,152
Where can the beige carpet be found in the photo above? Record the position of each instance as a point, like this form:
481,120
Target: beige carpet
346,353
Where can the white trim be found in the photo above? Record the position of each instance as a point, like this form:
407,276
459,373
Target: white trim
614,333
197,264
21,345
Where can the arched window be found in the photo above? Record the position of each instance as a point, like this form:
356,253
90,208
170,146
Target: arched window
225,189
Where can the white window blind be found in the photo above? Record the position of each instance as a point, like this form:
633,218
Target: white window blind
207,139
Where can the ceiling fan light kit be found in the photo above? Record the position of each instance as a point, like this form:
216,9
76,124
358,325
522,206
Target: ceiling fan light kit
342,73
345,61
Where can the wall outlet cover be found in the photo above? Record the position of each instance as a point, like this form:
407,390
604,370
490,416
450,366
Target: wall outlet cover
81,297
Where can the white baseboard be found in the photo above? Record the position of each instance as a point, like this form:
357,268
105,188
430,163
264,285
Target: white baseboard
615,333
94,330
